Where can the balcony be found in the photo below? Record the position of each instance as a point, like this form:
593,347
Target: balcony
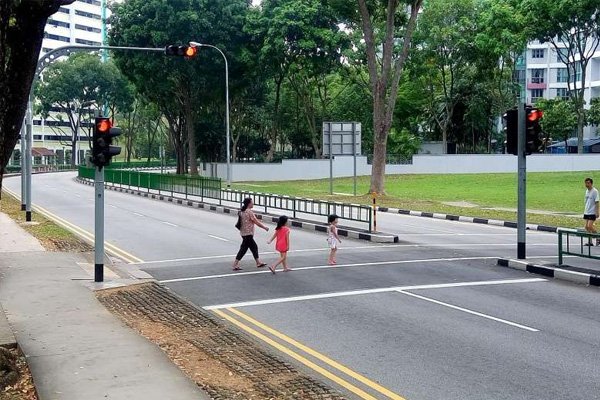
537,85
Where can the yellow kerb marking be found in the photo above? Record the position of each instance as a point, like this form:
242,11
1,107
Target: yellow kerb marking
325,359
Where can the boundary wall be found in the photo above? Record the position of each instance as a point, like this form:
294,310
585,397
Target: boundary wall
343,166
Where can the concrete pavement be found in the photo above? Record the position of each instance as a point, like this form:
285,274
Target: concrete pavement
75,348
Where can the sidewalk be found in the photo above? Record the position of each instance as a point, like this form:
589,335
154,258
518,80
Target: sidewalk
75,348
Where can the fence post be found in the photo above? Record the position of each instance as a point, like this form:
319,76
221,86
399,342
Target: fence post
186,187
202,190
560,254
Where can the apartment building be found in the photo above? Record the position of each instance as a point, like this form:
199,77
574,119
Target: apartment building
547,77
80,23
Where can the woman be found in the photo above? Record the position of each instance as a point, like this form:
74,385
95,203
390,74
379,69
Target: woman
248,220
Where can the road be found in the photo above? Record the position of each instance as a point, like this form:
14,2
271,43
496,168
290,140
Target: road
431,317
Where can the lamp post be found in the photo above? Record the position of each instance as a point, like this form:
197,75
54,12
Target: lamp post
197,44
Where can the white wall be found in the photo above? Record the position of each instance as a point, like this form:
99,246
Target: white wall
422,164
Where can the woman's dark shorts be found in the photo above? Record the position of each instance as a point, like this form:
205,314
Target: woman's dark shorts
591,217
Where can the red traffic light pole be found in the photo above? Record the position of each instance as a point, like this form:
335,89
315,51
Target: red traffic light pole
43,62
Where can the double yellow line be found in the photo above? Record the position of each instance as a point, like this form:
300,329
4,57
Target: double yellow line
249,324
82,233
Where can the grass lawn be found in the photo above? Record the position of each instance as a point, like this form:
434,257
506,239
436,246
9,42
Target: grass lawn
559,193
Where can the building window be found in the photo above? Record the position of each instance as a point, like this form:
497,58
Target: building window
536,94
519,76
575,71
562,55
537,75
562,75
56,37
64,10
87,42
562,93
92,2
87,28
537,53
87,14
54,22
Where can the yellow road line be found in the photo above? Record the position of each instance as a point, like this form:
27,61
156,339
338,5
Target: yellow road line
86,235
359,392
325,359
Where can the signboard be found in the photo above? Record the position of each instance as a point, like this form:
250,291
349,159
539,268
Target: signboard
341,138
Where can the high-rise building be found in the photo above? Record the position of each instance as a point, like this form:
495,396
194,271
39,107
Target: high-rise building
547,76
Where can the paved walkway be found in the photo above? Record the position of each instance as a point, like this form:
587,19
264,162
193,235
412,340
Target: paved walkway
75,348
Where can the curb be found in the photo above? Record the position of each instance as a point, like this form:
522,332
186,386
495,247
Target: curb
475,220
7,337
585,278
310,226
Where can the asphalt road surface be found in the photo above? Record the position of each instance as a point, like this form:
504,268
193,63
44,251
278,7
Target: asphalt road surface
431,317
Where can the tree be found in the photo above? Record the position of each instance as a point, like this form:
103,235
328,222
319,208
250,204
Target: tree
593,113
182,88
299,41
445,38
386,30
21,33
573,29
560,119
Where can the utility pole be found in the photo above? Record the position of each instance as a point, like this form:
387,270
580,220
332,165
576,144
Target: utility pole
522,166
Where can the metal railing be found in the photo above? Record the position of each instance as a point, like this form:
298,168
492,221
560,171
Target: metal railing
174,184
210,188
582,246
298,205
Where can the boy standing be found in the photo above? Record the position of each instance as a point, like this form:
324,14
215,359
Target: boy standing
590,214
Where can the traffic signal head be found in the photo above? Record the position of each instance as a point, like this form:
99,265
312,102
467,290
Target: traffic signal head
533,130
181,51
511,128
102,151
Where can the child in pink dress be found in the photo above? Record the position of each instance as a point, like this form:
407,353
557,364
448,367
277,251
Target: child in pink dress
282,245
333,238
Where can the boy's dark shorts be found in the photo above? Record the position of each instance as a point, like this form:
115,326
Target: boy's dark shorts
591,217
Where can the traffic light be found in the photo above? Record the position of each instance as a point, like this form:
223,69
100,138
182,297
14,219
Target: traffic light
533,130
181,51
102,151
511,128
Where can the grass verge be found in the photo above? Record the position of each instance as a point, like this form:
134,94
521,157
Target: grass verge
50,235
552,198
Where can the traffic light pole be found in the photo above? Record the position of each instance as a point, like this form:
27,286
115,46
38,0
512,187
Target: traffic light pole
522,181
99,225
26,161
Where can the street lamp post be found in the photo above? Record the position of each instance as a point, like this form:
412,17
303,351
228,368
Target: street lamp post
197,44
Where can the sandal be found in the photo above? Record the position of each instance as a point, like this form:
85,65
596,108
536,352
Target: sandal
237,268
272,269
261,265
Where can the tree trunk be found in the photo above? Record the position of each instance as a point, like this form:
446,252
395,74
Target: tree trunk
191,138
274,132
380,134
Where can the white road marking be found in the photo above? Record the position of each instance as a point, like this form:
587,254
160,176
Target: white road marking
374,247
377,263
527,328
138,214
112,206
370,291
170,224
219,238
